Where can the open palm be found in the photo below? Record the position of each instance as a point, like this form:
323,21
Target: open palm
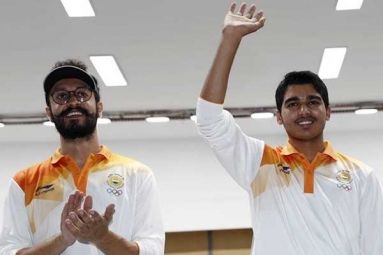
244,23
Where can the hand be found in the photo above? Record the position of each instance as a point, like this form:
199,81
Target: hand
73,204
87,225
241,23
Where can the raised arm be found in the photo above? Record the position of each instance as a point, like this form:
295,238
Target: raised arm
236,26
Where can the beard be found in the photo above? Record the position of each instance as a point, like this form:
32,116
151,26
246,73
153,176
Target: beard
73,129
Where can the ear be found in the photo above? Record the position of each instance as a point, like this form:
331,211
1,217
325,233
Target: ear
49,113
279,117
100,108
328,113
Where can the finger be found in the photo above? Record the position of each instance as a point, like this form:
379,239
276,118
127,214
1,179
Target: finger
251,11
232,7
262,21
259,15
64,213
76,221
242,9
88,204
70,203
79,196
85,217
72,228
97,219
109,212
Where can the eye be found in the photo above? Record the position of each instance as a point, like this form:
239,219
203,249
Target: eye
60,95
292,105
314,102
83,93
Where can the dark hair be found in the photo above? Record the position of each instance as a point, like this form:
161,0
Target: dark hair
300,78
81,65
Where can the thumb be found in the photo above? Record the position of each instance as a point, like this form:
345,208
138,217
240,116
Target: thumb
109,212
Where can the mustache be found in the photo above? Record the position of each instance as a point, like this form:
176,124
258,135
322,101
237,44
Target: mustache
309,118
82,110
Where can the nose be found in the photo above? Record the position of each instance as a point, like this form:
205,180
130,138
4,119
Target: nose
72,101
304,110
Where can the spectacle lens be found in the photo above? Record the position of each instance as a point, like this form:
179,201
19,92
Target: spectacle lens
62,97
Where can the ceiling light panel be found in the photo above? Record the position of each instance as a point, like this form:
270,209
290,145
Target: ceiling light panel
78,8
48,124
366,111
262,115
348,5
157,119
102,121
108,70
332,61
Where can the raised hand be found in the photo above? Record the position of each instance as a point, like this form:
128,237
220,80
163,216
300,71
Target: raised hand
241,22
87,225
73,204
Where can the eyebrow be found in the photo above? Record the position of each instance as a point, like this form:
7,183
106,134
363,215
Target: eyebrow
296,98
62,89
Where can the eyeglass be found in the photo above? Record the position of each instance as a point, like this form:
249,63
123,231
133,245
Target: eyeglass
62,97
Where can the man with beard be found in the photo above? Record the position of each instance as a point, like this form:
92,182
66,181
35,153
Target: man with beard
305,198
84,199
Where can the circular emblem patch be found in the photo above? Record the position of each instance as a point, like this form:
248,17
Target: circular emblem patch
344,180
115,181
344,176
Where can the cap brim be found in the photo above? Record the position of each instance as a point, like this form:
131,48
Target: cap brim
67,72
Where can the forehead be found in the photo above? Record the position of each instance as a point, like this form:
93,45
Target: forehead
68,84
300,91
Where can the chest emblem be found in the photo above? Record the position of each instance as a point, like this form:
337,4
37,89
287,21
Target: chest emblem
44,189
115,182
284,169
344,180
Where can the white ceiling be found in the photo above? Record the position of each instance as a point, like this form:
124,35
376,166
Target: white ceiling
165,49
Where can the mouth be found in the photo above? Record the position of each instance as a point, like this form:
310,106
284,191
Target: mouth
305,123
74,114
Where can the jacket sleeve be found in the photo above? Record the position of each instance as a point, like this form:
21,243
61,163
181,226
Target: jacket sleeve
148,230
238,153
371,216
15,233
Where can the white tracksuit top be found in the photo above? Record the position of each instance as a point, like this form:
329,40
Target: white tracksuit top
37,195
331,206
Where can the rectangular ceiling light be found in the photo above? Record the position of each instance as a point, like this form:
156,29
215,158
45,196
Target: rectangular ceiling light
108,70
78,8
349,5
332,61
157,119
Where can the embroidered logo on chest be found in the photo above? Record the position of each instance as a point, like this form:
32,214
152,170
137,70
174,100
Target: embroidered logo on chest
284,169
115,182
344,180
44,189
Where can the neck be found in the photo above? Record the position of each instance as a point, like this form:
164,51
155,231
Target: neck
79,149
308,148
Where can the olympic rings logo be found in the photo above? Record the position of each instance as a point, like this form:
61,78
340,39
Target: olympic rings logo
114,192
344,186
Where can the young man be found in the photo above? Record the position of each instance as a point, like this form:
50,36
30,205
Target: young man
305,198
45,211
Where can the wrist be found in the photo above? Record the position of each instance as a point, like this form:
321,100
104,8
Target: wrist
103,240
61,242
111,242
231,33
